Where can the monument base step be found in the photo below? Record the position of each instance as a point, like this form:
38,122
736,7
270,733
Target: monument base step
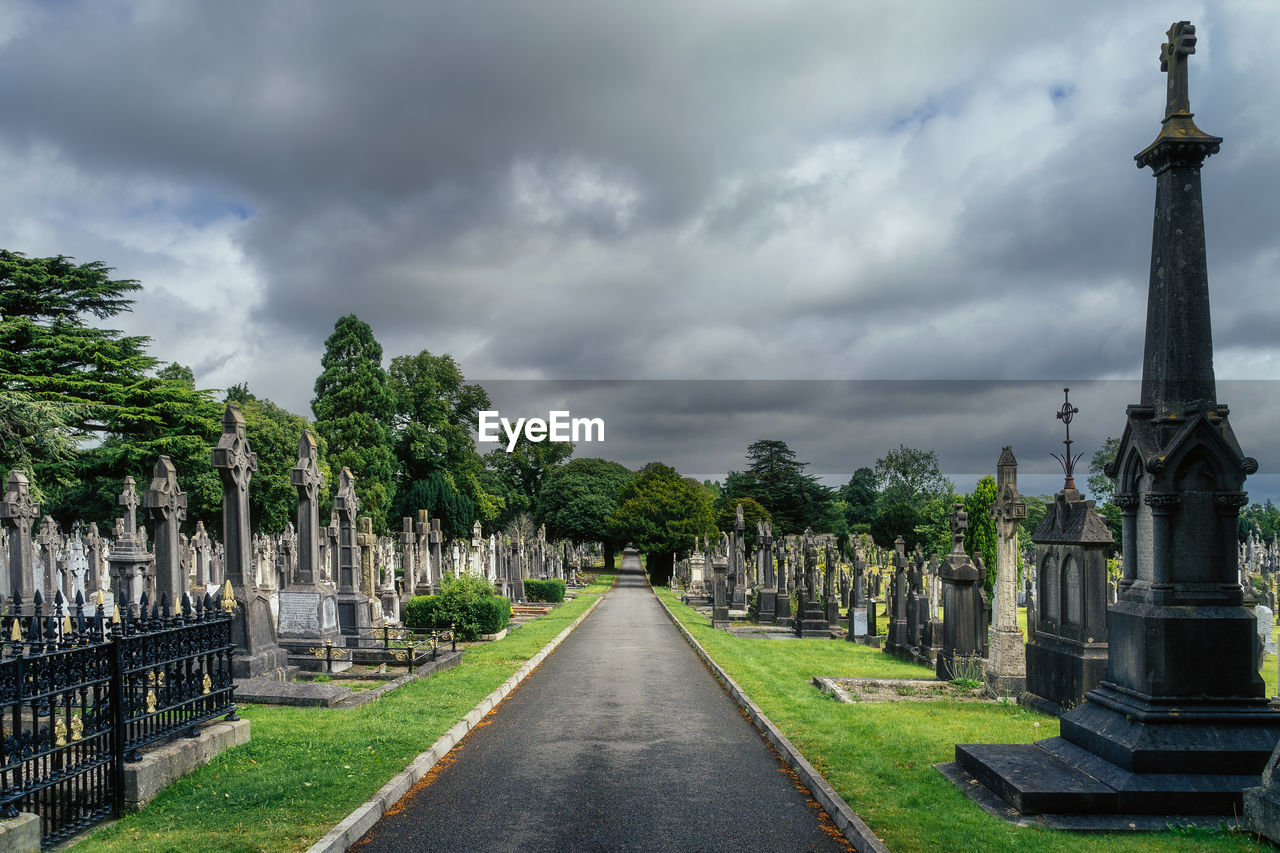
1055,776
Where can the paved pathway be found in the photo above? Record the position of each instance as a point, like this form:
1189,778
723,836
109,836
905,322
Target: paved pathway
620,740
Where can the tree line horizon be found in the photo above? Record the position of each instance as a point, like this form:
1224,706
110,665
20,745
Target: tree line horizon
83,406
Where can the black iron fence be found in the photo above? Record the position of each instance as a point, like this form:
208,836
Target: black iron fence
389,644
82,691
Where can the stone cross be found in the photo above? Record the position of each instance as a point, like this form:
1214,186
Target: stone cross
166,506
1008,513
48,540
204,553
93,548
18,511
306,477
407,543
367,542
346,505
236,463
1173,60
129,500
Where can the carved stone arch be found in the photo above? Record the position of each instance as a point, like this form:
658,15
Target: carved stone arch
1132,470
1050,588
1072,592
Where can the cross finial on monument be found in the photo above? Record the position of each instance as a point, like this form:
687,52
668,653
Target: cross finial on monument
1067,462
1173,61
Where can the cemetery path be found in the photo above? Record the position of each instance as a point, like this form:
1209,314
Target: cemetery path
620,740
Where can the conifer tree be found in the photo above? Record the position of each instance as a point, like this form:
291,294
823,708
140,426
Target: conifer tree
354,407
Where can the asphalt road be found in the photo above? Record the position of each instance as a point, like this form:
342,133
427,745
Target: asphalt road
620,740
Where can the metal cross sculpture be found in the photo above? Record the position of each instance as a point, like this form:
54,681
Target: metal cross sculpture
1067,462
1173,59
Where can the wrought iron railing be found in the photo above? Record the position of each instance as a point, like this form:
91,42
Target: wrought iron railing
81,691
389,644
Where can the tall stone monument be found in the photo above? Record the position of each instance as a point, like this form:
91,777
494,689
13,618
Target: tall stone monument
253,632
353,604
308,615
1007,663
18,512
166,506
964,622
128,558
1182,724
767,600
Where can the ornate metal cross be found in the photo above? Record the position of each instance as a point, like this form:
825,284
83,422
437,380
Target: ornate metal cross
1173,59
1067,462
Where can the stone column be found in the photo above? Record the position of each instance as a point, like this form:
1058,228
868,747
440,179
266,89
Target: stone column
407,544
1007,664
353,604
166,506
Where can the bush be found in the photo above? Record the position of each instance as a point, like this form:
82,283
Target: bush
466,602
551,589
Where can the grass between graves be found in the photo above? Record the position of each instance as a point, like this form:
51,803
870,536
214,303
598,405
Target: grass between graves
305,769
879,756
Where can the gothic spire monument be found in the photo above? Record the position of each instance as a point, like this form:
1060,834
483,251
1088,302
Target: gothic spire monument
1181,723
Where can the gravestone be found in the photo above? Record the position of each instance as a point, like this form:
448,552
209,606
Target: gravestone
17,513
896,599
353,604
166,506
1007,663
767,602
811,620
128,558
720,593
1181,724
964,612
253,631
782,598
308,610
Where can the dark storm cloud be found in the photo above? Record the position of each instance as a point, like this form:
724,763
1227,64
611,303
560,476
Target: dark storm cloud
652,190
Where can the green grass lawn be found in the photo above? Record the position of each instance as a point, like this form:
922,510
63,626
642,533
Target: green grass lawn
305,769
879,757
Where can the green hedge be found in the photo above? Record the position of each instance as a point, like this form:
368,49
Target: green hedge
466,602
551,589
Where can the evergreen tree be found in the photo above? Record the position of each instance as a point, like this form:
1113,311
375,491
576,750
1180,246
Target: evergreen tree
92,388
776,480
661,514
439,469
980,535
354,407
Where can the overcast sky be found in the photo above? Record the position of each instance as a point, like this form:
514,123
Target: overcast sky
658,190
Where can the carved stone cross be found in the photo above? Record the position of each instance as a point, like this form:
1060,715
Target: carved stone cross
129,500
1173,60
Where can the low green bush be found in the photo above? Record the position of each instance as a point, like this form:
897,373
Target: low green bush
551,590
465,601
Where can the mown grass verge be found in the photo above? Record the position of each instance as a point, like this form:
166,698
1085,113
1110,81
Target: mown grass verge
305,769
879,756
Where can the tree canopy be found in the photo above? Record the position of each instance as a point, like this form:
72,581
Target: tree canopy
354,408
980,535
910,476
662,514
576,499
775,478
1102,487
439,468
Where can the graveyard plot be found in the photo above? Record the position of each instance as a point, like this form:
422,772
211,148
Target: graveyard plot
879,756
305,769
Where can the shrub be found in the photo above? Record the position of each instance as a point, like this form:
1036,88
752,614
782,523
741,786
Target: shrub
493,614
466,602
551,589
